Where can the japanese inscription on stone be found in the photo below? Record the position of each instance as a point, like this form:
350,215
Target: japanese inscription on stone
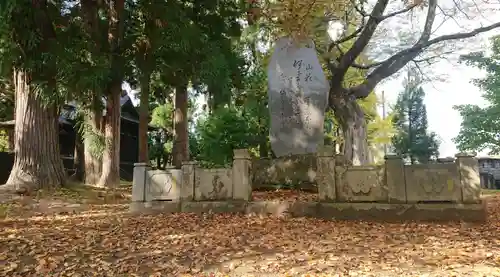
298,92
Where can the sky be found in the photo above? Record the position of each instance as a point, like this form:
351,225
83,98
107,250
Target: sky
440,99
456,88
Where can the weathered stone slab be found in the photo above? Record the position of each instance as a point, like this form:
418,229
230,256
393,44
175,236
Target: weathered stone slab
433,183
330,211
155,207
163,184
242,181
361,184
442,212
326,175
299,170
139,182
187,186
395,179
469,178
213,184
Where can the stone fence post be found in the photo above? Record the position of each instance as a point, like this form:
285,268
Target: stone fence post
187,184
139,190
468,169
242,177
395,179
325,175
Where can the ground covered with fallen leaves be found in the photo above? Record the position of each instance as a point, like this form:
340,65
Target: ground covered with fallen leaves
91,234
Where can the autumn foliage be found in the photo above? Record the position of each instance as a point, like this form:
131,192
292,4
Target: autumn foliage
93,238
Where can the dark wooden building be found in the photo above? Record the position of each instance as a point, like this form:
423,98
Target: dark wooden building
129,142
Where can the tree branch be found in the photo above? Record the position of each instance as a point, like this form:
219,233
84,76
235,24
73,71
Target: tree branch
400,59
463,35
407,9
361,42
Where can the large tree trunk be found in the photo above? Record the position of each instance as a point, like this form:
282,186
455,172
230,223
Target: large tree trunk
144,119
110,176
352,121
180,148
93,158
37,162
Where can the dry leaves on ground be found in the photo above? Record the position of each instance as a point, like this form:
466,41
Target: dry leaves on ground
103,240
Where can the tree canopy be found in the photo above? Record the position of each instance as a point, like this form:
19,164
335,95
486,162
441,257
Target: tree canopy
480,128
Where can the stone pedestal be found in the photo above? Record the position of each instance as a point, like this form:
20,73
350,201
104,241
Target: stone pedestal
469,178
325,176
395,179
187,184
139,182
242,179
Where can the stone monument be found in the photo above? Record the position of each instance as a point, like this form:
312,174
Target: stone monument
298,96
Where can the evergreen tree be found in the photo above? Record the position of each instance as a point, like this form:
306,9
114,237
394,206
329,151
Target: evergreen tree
412,140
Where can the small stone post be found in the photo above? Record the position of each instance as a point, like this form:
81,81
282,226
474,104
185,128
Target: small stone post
325,176
395,179
242,179
468,169
139,182
187,185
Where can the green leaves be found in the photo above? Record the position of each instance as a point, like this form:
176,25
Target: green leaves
480,128
221,132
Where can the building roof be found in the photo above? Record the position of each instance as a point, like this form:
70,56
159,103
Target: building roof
68,118
489,158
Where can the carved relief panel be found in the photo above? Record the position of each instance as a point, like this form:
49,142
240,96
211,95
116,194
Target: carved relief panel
164,184
213,184
361,184
432,183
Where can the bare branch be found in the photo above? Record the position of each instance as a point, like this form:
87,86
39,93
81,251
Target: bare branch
400,59
366,66
407,9
431,58
457,5
361,42
463,35
346,38
448,16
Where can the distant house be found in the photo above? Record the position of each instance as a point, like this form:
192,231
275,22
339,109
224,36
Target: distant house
129,142
489,172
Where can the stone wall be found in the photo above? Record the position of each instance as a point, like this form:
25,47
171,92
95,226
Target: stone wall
448,190
298,171
193,183
446,182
